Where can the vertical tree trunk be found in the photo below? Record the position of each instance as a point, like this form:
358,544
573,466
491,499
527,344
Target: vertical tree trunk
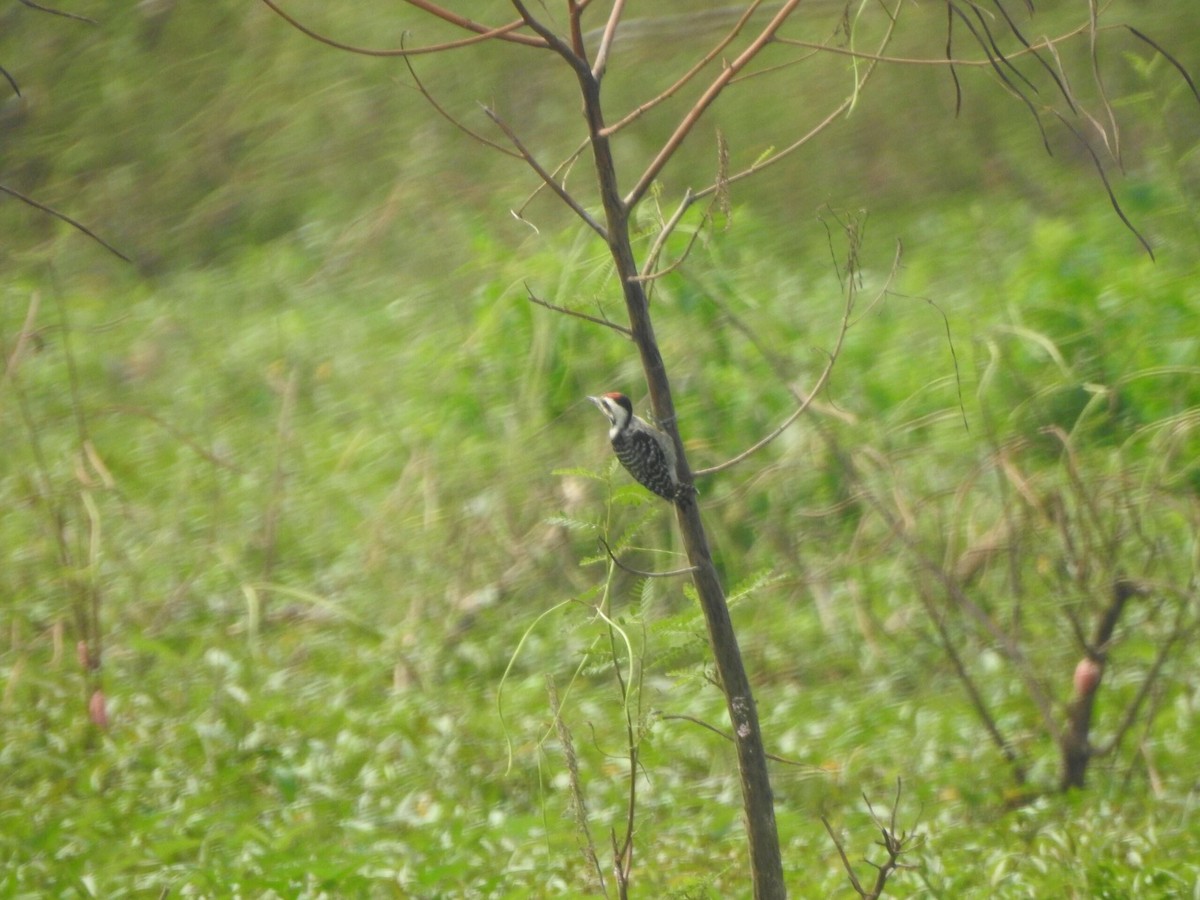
766,862
1075,744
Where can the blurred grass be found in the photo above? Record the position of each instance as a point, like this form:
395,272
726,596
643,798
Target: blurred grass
321,513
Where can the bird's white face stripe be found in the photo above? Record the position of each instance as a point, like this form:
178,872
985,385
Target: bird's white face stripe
615,411
612,411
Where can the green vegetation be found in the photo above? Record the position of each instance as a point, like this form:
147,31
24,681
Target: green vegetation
319,483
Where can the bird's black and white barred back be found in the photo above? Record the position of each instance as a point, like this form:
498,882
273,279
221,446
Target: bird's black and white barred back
647,453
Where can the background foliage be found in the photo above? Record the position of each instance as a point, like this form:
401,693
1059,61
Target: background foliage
318,467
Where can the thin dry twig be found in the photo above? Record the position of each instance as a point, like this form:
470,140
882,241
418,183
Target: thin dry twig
899,523
1177,634
87,603
806,401
507,32
895,844
774,757
1000,54
620,565
1171,59
679,261
56,12
549,180
843,107
175,432
74,224
618,867
962,405
273,512
1112,198
568,53
1098,80
1007,644
17,354
649,272
1029,48
665,232
846,865
595,320
998,64
974,695
623,857
687,76
568,164
610,31
1095,520
623,852
578,799
445,114
12,82
958,93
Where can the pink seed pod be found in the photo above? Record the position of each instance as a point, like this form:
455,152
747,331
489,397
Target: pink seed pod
1087,676
98,710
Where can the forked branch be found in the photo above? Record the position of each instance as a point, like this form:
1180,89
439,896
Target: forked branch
445,114
687,76
684,128
1179,632
549,180
895,844
837,112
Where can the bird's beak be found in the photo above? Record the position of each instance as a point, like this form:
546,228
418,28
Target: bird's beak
596,400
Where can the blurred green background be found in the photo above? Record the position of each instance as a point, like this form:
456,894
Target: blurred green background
310,471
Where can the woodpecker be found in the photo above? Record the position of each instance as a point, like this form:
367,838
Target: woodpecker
647,453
